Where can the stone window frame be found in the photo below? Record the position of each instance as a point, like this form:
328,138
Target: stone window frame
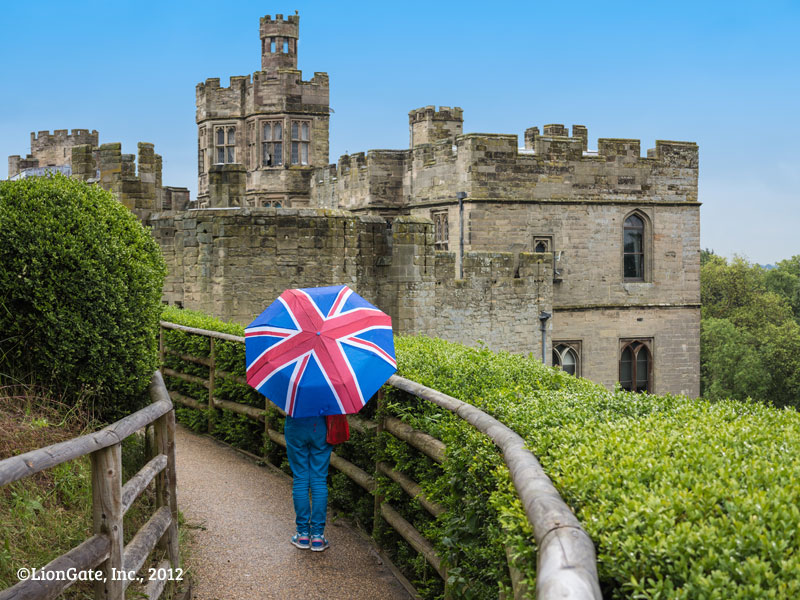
568,345
251,145
201,151
647,247
228,146
543,238
441,229
637,345
280,154
300,132
272,203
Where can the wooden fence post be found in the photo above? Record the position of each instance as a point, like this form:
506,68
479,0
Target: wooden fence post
166,486
212,374
160,346
376,517
107,518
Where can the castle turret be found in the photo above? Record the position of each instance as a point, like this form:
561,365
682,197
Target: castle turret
272,123
428,125
279,43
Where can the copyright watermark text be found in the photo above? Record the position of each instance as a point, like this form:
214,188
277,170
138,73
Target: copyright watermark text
74,574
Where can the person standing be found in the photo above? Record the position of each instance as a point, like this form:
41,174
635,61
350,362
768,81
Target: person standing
309,456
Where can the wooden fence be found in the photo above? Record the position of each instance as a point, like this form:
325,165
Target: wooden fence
566,563
104,551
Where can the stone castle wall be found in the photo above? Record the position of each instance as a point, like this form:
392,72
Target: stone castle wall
232,263
588,237
674,331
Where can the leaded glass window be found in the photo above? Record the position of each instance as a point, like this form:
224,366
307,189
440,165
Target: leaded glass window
633,248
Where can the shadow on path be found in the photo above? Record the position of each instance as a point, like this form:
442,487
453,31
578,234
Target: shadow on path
241,550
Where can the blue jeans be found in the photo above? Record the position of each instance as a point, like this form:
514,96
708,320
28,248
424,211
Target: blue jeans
309,456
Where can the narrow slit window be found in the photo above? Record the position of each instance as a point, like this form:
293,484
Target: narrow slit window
441,233
633,248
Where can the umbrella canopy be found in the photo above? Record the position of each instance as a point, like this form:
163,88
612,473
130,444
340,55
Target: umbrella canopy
319,351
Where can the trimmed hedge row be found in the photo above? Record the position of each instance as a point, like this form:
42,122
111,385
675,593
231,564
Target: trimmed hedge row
683,498
80,293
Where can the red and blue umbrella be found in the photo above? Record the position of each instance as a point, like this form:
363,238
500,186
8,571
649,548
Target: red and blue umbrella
320,351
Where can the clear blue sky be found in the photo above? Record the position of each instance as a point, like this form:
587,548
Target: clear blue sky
723,74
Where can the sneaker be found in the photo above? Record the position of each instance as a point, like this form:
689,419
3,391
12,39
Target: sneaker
318,543
301,540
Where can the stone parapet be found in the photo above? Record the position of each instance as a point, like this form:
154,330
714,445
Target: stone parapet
232,262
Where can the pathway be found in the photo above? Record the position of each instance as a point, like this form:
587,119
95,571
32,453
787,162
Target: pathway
242,550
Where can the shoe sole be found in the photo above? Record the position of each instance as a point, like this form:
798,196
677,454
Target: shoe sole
301,546
325,547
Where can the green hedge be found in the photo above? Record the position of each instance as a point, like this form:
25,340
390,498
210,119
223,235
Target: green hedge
80,292
683,498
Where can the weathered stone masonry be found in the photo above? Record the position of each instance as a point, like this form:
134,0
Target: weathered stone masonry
234,262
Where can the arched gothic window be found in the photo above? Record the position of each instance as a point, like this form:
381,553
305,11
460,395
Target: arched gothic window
635,366
633,248
567,356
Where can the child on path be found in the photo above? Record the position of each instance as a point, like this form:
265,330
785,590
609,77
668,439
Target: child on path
309,457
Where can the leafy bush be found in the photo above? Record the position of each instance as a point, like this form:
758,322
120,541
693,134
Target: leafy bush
80,292
683,498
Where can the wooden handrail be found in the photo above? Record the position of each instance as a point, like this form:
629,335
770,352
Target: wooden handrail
204,332
30,463
110,500
566,560
567,565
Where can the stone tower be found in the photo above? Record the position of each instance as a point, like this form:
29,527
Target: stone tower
427,125
279,43
273,124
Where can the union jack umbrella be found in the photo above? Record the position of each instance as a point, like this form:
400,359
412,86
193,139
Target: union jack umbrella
319,351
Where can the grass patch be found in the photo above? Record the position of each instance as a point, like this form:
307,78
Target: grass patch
49,513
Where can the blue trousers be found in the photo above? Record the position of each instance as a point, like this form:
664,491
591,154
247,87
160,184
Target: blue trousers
309,457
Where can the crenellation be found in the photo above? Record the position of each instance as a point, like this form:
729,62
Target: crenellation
428,125
555,130
531,133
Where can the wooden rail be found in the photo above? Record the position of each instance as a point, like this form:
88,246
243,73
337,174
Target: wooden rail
104,551
566,562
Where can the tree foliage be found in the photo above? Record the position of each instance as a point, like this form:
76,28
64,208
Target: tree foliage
750,336
80,292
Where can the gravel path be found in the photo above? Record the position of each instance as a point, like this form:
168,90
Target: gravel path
241,550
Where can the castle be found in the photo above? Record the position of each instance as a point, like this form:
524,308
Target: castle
78,154
463,236
589,258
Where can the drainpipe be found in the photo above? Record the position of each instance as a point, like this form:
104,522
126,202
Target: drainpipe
543,317
461,196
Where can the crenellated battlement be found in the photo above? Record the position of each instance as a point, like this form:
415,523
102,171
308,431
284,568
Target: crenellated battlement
428,125
279,42
78,136
445,113
267,20
556,143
